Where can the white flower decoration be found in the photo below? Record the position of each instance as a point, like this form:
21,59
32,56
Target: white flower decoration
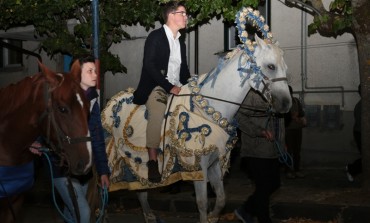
253,16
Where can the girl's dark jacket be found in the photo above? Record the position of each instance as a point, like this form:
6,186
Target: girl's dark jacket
97,134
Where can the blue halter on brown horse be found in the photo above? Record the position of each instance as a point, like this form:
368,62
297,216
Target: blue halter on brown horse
47,104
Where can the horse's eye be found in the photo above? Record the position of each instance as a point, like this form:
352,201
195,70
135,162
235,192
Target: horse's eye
62,109
271,66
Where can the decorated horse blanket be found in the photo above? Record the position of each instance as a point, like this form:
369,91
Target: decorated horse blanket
190,130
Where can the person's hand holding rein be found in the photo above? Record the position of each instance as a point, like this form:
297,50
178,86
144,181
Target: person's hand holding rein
104,181
268,135
34,148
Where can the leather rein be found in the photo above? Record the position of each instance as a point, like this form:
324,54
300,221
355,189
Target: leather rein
264,91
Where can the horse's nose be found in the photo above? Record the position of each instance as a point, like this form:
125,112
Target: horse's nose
286,104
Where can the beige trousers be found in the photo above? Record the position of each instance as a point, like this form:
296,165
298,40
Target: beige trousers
156,106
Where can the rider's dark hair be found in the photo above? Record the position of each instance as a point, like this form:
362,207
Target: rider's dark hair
171,7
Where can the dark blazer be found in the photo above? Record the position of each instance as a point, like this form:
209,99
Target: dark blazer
155,66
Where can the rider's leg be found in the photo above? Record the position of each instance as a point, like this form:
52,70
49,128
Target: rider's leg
156,106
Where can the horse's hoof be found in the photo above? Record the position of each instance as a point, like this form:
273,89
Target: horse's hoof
160,220
213,219
152,218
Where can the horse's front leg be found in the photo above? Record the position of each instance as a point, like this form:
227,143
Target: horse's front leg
201,198
215,178
148,213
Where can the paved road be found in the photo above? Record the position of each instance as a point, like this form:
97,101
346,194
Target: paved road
323,195
45,214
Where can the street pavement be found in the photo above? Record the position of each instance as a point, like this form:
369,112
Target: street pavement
43,214
323,195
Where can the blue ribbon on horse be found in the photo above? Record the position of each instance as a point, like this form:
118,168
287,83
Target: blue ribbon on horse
212,75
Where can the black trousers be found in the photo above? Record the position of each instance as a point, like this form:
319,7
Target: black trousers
266,175
355,168
293,140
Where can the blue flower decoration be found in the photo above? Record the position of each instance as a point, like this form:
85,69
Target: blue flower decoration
128,154
138,160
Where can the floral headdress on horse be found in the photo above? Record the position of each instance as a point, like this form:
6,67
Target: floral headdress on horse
243,16
249,15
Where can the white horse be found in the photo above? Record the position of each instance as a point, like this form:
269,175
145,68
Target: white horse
198,132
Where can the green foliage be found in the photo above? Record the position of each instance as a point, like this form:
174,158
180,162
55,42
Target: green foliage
202,11
335,22
343,10
51,18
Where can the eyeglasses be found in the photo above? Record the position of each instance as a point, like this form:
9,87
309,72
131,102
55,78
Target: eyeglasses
183,13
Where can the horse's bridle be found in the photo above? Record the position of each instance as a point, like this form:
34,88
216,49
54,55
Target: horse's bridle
49,113
266,91
266,81
252,67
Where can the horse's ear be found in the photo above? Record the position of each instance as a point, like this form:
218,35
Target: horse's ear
50,75
76,71
260,42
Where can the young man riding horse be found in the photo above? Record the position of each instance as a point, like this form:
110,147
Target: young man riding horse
164,71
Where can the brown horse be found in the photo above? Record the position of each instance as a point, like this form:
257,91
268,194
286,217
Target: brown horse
46,104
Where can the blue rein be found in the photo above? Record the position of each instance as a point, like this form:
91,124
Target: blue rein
284,156
103,192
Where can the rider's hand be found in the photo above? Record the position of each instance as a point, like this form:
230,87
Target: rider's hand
175,90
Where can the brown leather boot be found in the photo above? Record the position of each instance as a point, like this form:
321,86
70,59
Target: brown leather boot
153,174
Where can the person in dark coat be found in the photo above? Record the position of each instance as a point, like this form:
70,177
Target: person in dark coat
295,121
262,137
355,168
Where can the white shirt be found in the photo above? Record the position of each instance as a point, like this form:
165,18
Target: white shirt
174,63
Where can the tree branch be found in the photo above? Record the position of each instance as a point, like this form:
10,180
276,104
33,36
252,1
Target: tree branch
314,5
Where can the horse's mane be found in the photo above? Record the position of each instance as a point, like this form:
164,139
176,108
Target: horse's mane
222,62
232,53
14,95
